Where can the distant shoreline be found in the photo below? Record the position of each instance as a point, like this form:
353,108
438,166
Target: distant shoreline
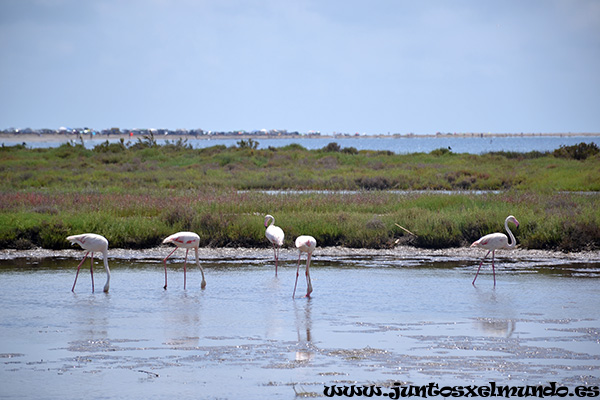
19,137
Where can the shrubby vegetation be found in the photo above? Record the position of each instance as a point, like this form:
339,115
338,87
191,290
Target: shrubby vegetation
137,193
580,151
144,165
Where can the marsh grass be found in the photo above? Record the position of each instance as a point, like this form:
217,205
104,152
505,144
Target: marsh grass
126,167
564,221
137,194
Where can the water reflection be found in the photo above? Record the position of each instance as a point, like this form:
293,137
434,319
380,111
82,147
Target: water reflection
90,314
180,313
374,319
497,313
496,327
303,321
273,314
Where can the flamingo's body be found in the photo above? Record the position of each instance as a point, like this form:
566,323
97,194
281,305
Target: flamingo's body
93,243
275,235
186,240
305,244
496,241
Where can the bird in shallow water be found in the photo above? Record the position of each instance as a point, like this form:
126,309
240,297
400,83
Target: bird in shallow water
305,244
93,243
187,241
275,235
496,241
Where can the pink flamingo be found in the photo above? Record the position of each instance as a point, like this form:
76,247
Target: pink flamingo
275,235
95,244
305,244
496,241
186,240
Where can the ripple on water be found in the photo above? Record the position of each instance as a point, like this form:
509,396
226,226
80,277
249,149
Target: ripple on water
389,317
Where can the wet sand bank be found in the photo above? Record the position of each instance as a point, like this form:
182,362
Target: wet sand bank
400,252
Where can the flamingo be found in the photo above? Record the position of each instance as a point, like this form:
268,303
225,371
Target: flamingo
275,235
305,244
92,243
186,240
496,241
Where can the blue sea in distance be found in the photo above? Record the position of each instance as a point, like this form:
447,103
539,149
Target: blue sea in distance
399,145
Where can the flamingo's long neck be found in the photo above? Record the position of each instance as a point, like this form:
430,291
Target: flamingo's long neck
107,285
513,241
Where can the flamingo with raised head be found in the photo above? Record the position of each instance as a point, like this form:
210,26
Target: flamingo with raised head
186,240
496,241
93,243
275,235
305,244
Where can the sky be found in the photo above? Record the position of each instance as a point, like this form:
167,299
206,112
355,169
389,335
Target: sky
333,66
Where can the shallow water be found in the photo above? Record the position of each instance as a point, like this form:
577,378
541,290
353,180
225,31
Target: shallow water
399,145
372,319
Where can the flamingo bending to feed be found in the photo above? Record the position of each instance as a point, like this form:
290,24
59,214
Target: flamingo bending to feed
305,244
95,244
186,240
496,241
275,235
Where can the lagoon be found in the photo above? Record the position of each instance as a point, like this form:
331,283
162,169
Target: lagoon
375,317
399,145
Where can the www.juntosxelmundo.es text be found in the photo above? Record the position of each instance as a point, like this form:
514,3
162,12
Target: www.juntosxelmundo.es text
433,389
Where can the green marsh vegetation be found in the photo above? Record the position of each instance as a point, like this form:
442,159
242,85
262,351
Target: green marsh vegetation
136,194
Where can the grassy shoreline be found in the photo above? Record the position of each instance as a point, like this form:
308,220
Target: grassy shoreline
137,195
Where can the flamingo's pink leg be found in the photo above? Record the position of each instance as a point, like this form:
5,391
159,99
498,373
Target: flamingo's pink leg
92,270
480,267
184,267
275,253
165,262
297,273
493,269
77,274
308,283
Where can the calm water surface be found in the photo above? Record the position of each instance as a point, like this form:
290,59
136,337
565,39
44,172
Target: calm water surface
371,320
400,145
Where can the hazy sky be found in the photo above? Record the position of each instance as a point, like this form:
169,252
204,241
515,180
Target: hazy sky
367,66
